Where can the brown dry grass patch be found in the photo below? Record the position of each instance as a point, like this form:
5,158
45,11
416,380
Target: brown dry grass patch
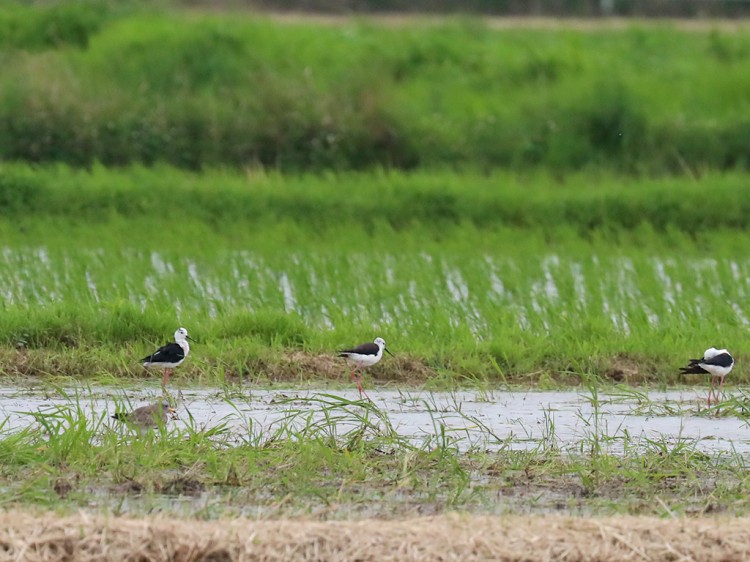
26,536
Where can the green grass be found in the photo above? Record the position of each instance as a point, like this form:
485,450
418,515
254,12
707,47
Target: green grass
244,204
461,308
95,81
538,275
69,461
468,278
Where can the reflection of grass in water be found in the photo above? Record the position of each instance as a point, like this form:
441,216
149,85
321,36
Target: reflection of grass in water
349,460
734,403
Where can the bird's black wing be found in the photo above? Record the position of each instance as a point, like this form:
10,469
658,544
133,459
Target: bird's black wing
368,348
169,353
720,360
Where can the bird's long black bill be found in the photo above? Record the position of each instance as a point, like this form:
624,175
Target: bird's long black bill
191,339
388,352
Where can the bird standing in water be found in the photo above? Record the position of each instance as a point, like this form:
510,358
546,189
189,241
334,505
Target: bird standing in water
362,356
715,362
170,355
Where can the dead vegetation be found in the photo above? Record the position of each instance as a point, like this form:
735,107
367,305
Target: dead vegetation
28,536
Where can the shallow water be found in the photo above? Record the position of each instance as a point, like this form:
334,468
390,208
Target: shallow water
573,420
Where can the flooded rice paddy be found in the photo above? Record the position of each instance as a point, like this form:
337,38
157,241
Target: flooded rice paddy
614,421
411,289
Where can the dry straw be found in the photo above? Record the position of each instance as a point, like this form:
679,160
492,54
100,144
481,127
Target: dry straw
26,536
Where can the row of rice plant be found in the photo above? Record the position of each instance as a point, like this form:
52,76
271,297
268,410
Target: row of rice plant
239,203
478,304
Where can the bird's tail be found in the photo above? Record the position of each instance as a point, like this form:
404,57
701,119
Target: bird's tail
693,368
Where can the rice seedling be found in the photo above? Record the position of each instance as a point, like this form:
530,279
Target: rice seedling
472,314
467,301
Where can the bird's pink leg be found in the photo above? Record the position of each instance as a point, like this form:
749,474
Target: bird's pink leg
721,386
716,392
359,385
356,379
165,378
710,391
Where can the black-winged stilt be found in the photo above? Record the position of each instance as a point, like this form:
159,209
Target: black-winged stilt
715,362
146,417
364,355
170,355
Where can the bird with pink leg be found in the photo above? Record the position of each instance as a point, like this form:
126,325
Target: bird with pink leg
170,355
364,355
715,362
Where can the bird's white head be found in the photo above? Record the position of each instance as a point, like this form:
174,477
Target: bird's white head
380,342
181,335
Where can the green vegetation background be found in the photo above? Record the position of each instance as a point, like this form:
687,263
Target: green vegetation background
92,81
201,134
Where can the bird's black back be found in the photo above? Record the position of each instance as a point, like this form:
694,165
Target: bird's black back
720,360
170,353
694,365
369,348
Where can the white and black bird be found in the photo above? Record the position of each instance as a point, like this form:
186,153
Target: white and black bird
715,362
146,417
365,355
170,355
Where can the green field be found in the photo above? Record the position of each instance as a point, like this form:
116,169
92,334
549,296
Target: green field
469,278
512,208
501,205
